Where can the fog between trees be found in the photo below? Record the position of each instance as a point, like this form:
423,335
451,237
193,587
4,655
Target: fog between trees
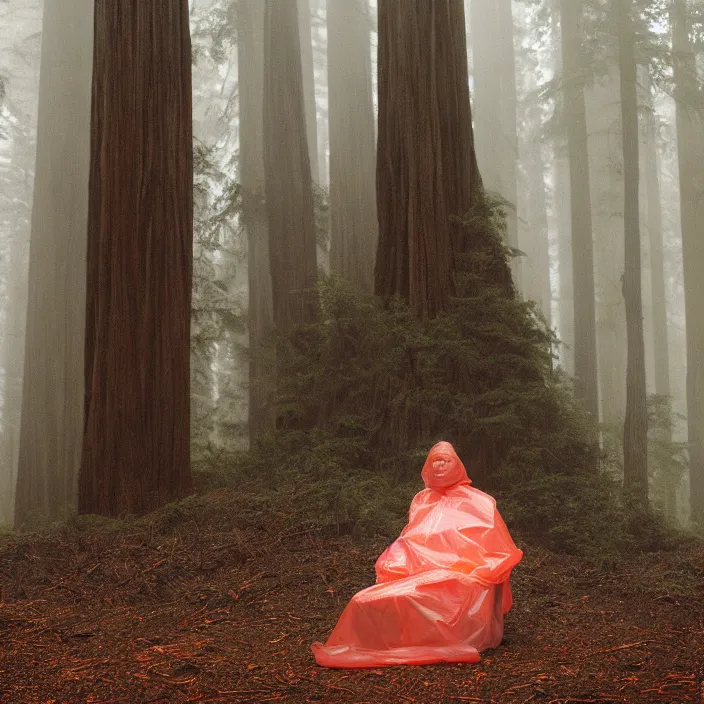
587,126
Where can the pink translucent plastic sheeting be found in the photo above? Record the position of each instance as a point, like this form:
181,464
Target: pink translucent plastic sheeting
442,587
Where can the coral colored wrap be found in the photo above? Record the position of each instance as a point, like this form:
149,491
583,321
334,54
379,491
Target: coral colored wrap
442,587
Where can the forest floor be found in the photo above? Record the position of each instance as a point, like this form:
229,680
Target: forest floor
207,612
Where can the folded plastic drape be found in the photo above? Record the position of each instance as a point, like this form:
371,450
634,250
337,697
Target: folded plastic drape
442,587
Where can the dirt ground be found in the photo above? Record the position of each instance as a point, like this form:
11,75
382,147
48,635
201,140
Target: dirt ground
209,613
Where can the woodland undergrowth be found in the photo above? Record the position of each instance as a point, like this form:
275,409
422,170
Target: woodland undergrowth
365,391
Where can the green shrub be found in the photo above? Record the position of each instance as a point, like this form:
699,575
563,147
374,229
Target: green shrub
365,391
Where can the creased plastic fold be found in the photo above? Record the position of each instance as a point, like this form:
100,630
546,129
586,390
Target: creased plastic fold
442,587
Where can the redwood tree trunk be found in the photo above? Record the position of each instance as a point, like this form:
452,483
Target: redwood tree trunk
289,192
140,238
426,165
308,69
353,223
690,150
250,48
585,371
635,434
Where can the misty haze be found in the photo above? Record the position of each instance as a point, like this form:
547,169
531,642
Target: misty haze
260,259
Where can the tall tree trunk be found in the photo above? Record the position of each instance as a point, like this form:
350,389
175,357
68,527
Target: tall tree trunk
644,104
563,223
635,435
52,418
539,251
320,42
690,150
509,160
426,165
14,288
606,182
136,447
353,224
657,266
12,359
660,340
289,193
586,389
250,49
562,218
308,69
494,77
487,91
533,225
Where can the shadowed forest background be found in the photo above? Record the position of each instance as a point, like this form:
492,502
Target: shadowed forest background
257,256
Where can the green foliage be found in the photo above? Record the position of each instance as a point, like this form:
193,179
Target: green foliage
366,390
219,301
667,459
598,32
214,31
219,308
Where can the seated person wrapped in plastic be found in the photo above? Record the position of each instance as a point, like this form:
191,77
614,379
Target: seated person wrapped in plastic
442,587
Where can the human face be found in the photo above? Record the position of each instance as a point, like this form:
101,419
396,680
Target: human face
441,467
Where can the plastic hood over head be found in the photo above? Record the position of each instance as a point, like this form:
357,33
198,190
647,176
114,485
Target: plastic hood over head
449,470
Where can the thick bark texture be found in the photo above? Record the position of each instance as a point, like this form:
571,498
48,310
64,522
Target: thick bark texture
250,47
635,434
690,149
52,417
586,389
140,249
289,188
353,222
426,166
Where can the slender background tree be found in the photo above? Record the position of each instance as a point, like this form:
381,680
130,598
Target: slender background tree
289,188
690,151
250,48
52,404
635,438
585,369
